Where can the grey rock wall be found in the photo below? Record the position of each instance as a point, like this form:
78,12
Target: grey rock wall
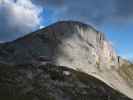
69,43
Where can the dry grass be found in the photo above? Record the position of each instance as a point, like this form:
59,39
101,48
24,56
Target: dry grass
126,71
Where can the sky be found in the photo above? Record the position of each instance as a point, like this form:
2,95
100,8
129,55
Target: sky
113,17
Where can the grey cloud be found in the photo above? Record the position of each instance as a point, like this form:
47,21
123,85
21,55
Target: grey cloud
124,8
44,3
93,11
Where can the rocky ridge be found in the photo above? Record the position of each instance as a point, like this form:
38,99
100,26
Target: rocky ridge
69,43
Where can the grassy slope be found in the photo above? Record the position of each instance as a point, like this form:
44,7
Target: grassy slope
126,71
49,82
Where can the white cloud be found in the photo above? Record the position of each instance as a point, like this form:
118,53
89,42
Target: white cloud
18,17
128,56
41,27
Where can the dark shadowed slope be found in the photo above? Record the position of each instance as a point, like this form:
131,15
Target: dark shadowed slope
49,82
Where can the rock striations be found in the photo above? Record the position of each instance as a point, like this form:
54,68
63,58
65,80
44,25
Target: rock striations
68,43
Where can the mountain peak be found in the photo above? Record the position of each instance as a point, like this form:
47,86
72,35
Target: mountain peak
72,23
68,43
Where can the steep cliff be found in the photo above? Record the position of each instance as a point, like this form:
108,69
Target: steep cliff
69,43
64,43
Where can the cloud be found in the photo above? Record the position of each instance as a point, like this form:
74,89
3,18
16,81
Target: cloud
96,12
128,56
18,17
124,8
23,16
52,3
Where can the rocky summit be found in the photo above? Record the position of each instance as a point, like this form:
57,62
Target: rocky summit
73,44
50,82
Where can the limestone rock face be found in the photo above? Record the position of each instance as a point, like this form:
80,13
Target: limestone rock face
64,43
68,43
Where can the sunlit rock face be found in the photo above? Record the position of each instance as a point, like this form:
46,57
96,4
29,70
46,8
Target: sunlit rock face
64,43
86,47
69,43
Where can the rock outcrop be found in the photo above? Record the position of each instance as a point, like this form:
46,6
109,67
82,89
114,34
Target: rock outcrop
64,43
50,82
69,43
